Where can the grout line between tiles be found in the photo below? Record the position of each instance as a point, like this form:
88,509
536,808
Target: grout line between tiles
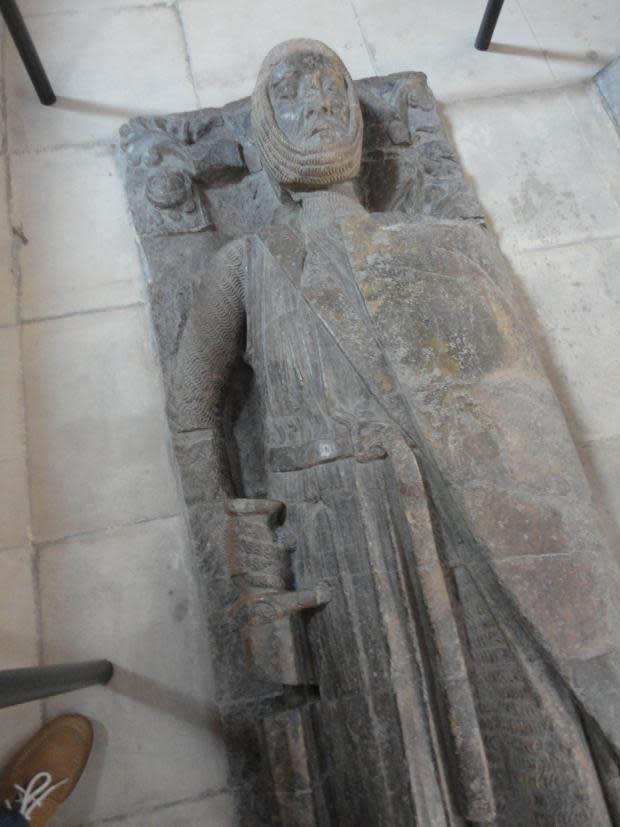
205,796
538,43
3,98
15,244
512,93
543,248
102,143
72,12
41,545
369,50
70,314
15,272
17,275
188,60
38,617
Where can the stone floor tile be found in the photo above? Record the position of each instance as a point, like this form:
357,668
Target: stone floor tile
17,610
220,31
7,282
215,811
105,66
19,644
602,460
80,252
438,39
33,7
599,131
13,499
578,36
129,596
537,176
95,424
13,483
575,293
17,725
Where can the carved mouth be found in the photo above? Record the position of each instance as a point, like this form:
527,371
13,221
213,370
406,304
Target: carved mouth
333,129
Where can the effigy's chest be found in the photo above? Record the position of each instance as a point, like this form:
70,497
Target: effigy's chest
284,344
440,296
302,369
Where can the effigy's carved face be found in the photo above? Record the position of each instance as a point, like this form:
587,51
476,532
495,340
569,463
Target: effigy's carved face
310,99
306,116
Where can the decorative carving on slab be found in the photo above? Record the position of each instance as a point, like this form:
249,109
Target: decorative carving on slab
410,605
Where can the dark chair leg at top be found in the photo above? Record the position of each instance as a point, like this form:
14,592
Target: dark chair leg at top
489,21
28,53
17,686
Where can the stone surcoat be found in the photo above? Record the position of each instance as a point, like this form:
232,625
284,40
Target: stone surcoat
429,478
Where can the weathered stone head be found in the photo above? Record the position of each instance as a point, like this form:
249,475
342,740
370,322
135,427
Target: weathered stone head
306,116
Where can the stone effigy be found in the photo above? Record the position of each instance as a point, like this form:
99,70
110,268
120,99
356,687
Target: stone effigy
411,609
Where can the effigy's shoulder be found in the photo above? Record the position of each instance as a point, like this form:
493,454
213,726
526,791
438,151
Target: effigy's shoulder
443,246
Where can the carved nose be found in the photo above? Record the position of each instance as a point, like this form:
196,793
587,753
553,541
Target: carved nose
318,103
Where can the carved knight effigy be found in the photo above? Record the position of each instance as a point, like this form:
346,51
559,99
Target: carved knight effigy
411,608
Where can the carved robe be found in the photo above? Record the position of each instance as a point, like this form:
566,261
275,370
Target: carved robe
429,479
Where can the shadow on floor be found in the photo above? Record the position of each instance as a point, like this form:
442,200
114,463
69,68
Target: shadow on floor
169,701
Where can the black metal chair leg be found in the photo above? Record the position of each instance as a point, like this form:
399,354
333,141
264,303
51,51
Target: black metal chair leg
489,21
28,53
17,686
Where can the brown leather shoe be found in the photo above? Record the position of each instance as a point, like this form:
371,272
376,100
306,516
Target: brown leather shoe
45,771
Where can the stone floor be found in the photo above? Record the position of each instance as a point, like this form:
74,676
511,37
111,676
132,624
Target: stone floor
93,558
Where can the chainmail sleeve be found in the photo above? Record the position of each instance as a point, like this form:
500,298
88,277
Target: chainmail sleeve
210,345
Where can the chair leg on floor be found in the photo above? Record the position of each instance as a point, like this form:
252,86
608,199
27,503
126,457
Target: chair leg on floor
489,21
23,42
17,686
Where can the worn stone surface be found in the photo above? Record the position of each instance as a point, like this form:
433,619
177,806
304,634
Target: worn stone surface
19,644
122,433
552,192
74,48
346,357
57,278
162,670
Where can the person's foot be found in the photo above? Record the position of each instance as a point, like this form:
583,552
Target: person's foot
45,771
